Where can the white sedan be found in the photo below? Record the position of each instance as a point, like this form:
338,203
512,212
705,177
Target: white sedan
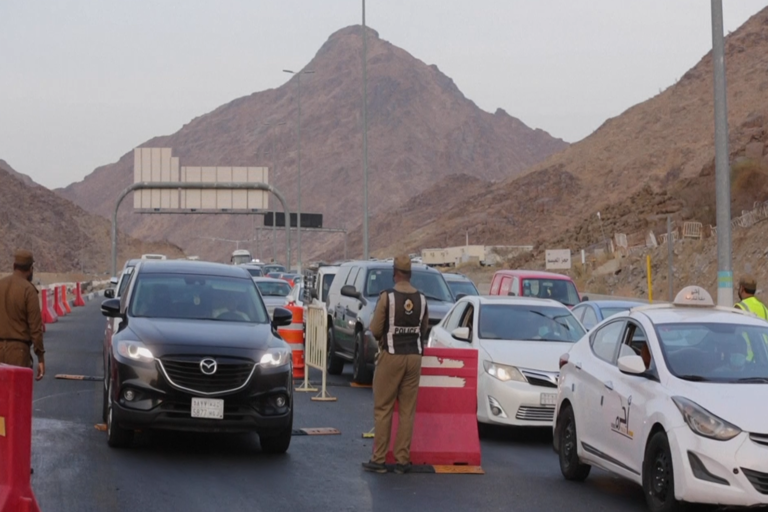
519,342
672,397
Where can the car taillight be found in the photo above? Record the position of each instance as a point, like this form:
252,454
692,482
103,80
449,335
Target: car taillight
563,360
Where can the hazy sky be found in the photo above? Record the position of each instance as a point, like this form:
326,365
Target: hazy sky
84,81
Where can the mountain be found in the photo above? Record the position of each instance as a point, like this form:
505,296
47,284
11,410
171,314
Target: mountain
657,158
62,236
421,130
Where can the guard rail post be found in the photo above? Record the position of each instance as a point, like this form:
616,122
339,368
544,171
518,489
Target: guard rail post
315,350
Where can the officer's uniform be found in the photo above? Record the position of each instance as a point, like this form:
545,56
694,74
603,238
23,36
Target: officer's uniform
753,305
21,325
400,323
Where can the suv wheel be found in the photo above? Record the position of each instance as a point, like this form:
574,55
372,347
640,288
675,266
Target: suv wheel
277,443
360,372
117,436
334,364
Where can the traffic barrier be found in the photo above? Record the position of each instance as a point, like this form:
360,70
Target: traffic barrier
294,336
79,296
58,308
46,312
16,439
315,347
65,298
445,428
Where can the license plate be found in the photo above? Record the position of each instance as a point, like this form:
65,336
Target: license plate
211,408
548,399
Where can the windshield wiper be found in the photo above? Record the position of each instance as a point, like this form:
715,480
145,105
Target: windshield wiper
694,378
552,318
757,380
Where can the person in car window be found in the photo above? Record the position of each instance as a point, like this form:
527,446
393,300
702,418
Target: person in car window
228,308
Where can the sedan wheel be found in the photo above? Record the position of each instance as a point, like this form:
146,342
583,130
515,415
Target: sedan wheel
570,466
658,476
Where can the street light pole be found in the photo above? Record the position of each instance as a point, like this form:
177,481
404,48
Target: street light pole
722,167
365,139
298,164
274,181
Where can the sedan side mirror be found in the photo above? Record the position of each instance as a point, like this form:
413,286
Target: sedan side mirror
281,317
632,365
109,293
111,308
349,291
461,333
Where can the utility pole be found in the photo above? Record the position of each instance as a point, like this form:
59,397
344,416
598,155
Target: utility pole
722,165
365,139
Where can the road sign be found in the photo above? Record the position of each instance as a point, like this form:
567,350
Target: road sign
308,220
558,259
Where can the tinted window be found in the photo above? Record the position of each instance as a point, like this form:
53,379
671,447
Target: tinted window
124,280
716,352
431,284
456,315
590,318
255,272
273,289
465,287
557,289
607,312
327,281
352,276
606,341
533,323
197,297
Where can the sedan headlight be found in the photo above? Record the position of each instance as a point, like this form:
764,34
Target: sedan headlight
275,357
135,350
703,422
503,372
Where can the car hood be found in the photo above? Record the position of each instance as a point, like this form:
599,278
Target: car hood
161,332
438,309
534,355
735,403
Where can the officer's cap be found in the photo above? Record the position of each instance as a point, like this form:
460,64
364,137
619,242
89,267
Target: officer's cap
23,257
403,263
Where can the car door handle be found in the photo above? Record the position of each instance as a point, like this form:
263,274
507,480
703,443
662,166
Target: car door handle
578,365
608,384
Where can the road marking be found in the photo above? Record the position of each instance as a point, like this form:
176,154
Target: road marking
322,431
356,385
78,377
101,427
459,470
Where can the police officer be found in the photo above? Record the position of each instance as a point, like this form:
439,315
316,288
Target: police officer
747,289
21,325
400,324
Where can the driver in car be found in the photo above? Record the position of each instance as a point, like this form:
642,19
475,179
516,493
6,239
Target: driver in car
229,308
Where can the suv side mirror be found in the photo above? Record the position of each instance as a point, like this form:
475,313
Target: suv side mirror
313,294
281,317
349,291
461,333
111,308
113,280
109,293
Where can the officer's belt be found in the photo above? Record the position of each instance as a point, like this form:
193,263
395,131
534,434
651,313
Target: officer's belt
16,340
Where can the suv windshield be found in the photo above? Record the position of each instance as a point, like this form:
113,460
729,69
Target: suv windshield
528,323
560,290
715,352
431,284
197,297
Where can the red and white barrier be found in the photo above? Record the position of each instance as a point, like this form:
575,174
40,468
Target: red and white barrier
445,428
64,299
79,296
46,309
16,439
58,308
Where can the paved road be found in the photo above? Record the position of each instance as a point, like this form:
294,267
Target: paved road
75,470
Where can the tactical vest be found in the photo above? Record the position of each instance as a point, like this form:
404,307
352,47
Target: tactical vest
402,333
753,305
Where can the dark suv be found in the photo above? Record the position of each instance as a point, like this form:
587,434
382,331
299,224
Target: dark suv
196,351
351,301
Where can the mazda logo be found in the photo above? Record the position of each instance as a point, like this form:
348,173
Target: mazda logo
208,366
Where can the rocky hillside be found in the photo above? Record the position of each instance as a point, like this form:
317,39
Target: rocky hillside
657,158
422,130
63,237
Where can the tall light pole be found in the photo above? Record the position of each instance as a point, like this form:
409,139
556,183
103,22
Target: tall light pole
298,164
722,167
274,182
365,139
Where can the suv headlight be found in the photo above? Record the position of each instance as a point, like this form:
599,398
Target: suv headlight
275,357
135,350
703,422
503,372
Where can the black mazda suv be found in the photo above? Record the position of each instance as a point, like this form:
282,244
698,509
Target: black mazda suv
196,350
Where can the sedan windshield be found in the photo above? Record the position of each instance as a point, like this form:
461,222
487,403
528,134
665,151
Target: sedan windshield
465,287
197,297
715,352
560,290
528,323
273,289
431,284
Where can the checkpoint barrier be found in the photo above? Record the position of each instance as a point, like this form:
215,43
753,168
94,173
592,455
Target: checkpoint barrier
16,439
315,348
79,296
46,309
64,298
294,336
445,427
58,308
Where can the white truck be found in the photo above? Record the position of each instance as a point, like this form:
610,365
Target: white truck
240,256
317,282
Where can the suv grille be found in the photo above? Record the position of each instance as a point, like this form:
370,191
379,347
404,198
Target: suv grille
757,479
184,372
535,413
